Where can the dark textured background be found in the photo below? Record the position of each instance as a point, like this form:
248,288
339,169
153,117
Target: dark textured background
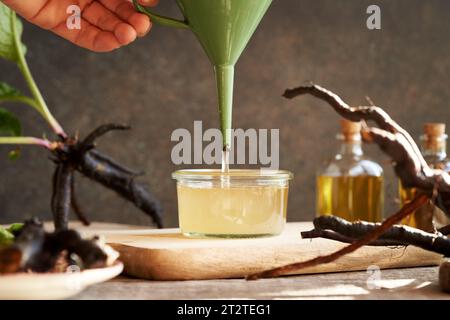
164,82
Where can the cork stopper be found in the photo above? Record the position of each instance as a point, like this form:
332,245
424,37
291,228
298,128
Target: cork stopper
434,129
350,130
434,137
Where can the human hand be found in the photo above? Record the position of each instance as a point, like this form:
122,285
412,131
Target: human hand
105,24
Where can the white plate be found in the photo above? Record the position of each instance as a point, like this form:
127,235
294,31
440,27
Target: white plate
45,286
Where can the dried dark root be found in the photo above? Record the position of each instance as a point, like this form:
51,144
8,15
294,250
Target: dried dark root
76,207
367,239
88,142
73,155
396,142
410,166
339,229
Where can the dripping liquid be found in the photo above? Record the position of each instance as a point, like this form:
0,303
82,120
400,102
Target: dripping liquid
225,178
225,160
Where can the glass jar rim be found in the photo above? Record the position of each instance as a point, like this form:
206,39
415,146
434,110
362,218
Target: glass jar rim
233,174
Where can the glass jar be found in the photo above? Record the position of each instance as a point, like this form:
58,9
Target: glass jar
434,151
236,204
350,185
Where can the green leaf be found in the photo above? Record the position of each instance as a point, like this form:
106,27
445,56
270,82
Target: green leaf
6,237
9,124
15,227
12,48
8,49
7,92
7,234
10,94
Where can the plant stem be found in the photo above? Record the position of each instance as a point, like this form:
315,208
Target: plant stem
23,99
28,140
24,69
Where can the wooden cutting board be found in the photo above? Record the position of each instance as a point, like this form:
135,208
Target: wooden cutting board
168,255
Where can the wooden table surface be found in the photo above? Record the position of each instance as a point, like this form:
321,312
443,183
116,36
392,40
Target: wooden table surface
410,283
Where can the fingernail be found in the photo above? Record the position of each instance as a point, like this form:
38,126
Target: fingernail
148,2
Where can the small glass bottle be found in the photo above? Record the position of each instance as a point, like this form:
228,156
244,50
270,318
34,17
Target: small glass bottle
434,150
351,186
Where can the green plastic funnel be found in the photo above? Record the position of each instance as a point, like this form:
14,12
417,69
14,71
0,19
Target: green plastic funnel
223,28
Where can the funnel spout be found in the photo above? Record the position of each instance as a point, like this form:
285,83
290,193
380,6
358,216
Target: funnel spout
225,81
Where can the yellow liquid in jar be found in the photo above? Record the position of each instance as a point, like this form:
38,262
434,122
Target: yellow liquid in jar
233,211
427,217
406,196
351,198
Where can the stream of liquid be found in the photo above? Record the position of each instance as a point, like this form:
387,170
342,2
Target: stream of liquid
225,178
225,161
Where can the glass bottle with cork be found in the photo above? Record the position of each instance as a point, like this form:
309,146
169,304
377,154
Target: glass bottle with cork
434,150
350,185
